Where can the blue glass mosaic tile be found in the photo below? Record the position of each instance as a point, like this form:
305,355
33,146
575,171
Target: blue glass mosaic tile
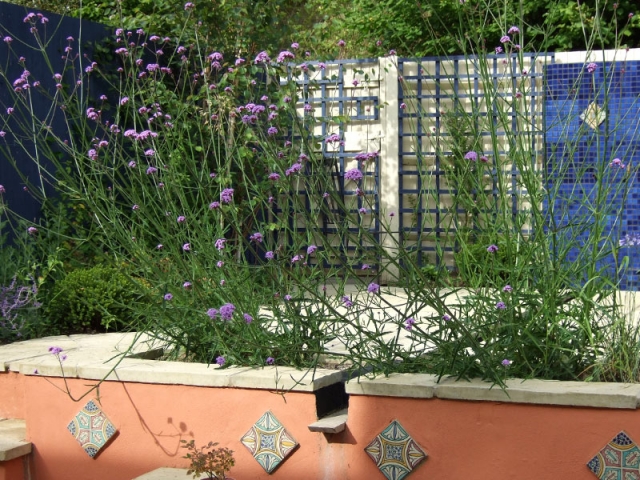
578,152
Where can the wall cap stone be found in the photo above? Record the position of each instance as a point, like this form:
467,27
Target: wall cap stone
540,392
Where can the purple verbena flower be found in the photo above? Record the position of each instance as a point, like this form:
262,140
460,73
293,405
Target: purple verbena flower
168,297
373,288
507,288
226,311
256,237
311,249
181,219
354,174
592,67
226,195
220,360
55,350
247,318
409,323
212,313
492,248
270,361
501,306
269,255
506,362
220,243
347,301
471,156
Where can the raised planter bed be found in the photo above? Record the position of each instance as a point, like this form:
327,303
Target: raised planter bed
536,430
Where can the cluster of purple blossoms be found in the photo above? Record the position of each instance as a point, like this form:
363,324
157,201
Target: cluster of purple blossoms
270,361
616,162
311,249
513,30
409,323
284,55
507,289
354,174
212,313
446,317
262,57
592,67
295,168
181,219
274,176
630,240
369,156
220,360
151,170
214,205
168,297
226,311
186,247
256,237
55,350
297,258
247,318
333,138
187,285
220,243
505,39
471,156
492,248
501,306
506,362
226,195
272,131
373,288
347,301
269,255
403,106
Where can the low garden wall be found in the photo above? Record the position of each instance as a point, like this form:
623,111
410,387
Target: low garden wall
466,430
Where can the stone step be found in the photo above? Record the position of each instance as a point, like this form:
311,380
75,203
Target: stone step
166,474
13,444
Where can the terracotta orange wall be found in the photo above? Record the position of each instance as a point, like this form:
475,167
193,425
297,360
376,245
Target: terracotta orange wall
464,440
11,395
12,470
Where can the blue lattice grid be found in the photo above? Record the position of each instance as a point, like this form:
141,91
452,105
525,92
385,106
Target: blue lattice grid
446,85
357,108
577,153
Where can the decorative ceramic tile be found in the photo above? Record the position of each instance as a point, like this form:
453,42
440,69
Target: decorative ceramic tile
618,460
269,442
91,428
396,454
593,115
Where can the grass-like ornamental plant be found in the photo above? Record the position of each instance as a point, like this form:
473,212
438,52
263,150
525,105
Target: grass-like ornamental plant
251,241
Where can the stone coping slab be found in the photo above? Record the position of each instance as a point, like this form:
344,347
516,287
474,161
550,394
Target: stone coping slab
12,439
166,474
108,356
542,392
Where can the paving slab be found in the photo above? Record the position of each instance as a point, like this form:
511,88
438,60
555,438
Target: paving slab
411,385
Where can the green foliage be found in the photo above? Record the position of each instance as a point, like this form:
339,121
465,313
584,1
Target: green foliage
93,299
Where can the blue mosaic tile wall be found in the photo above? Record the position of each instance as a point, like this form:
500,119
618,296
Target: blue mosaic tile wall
590,120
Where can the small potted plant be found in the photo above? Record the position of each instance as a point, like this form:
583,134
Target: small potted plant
208,460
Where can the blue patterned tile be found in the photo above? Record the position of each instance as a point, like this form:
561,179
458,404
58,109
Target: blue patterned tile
618,460
91,428
396,454
269,442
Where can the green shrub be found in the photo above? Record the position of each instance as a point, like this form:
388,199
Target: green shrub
93,299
